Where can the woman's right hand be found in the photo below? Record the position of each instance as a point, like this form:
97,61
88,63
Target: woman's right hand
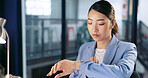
67,66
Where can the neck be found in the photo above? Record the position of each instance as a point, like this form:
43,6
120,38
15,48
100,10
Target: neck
103,43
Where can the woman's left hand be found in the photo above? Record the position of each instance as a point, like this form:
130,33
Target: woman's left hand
94,59
67,66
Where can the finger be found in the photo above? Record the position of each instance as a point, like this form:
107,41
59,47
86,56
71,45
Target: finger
95,59
55,68
51,72
48,74
60,75
58,66
91,58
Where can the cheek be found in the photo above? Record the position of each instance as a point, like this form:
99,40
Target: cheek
105,29
89,28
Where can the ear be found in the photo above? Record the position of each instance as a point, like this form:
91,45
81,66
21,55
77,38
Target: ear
113,23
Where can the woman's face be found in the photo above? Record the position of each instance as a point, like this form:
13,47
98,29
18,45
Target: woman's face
99,26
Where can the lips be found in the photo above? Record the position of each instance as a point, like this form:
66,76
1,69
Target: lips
95,35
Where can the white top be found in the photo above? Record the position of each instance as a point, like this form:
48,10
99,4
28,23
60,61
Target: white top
99,53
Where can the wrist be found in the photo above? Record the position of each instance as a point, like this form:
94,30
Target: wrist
76,64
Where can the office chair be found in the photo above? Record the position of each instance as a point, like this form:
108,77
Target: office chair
135,75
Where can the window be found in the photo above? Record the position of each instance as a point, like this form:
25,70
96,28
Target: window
41,34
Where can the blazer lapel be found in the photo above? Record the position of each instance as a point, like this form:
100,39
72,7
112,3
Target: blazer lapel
91,52
110,51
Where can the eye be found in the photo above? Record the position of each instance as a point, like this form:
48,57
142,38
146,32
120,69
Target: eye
101,24
89,23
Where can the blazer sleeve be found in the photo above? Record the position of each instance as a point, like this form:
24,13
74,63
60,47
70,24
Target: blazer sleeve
76,74
123,69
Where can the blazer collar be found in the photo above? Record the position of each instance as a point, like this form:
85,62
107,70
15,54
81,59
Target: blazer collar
110,51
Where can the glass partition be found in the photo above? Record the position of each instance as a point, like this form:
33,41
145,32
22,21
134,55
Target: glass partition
42,33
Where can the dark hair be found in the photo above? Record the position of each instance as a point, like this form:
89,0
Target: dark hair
107,9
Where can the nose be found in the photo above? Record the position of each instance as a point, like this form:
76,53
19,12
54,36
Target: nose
95,28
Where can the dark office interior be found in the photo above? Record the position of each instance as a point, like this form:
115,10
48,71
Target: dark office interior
43,32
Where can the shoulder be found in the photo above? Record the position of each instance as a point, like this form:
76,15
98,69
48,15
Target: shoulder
124,44
127,48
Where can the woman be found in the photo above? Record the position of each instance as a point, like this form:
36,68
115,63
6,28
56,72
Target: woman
106,56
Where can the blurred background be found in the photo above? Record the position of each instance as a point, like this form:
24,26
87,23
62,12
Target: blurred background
42,32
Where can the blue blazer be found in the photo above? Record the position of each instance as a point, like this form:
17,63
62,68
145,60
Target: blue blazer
118,62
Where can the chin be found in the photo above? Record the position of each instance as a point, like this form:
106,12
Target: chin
97,39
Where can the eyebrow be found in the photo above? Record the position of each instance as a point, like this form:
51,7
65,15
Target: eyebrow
97,20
